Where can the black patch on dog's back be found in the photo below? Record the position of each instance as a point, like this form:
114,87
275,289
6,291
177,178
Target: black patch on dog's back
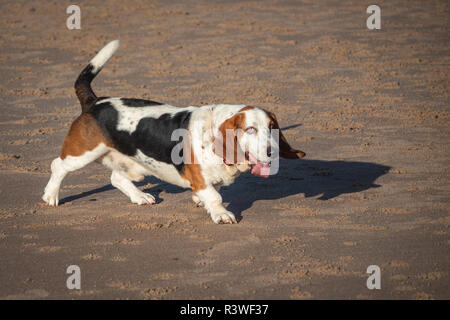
152,135
139,102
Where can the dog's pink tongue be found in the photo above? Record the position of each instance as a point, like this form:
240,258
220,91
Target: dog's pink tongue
259,169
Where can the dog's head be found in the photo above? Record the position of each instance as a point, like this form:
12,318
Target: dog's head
252,138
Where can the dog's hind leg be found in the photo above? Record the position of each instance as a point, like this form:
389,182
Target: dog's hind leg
84,144
61,167
125,185
124,171
51,192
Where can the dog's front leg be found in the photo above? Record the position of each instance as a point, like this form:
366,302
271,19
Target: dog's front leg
212,202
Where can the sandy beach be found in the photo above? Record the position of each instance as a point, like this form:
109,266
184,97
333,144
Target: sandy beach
370,108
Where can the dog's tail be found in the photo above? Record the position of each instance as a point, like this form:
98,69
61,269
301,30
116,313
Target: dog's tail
83,83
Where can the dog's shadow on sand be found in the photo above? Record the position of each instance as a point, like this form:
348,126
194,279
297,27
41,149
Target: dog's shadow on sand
326,179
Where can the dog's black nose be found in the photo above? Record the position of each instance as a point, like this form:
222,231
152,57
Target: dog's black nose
269,151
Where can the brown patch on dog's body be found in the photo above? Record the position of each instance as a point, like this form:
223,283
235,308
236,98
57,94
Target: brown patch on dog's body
234,123
84,135
246,108
193,173
192,170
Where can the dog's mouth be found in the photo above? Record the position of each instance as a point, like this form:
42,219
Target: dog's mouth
260,169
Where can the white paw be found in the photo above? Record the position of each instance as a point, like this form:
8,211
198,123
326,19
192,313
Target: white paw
224,216
143,198
197,201
51,199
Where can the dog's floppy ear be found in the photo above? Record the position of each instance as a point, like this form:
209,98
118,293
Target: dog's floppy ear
226,144
286,151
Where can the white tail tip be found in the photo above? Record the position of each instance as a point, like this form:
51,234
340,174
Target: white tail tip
104,55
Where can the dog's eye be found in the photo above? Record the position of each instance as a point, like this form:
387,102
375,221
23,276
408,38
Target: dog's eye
250,130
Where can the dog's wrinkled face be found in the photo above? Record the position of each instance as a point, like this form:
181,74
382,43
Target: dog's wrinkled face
257,140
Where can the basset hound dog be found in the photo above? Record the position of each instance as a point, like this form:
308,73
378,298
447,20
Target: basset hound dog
202,148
